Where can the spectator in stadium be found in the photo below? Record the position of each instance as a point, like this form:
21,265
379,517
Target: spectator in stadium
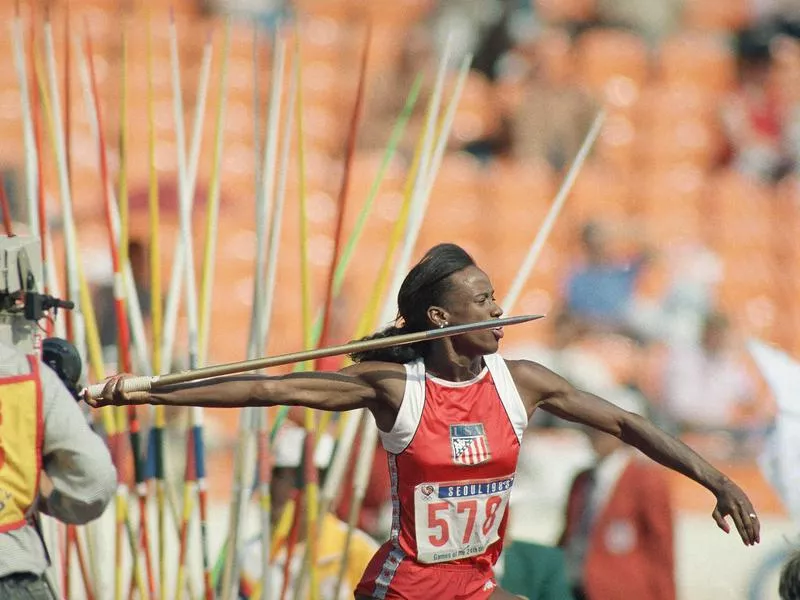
552,114
601,290
753,116
618,537
705,383
789,588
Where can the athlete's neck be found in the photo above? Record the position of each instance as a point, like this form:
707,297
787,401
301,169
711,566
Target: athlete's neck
448,365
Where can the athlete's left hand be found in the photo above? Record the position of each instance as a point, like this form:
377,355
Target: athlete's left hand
733,502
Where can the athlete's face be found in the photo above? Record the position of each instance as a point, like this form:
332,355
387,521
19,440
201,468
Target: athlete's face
470,300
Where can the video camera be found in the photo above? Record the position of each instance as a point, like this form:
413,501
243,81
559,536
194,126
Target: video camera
22,306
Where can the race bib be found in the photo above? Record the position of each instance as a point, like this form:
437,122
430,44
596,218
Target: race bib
459,519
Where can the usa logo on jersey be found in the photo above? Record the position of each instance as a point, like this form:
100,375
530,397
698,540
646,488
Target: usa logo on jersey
469,444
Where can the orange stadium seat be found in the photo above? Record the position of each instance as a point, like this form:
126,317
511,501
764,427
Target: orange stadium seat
697,60
677,124
716,16
667,105
617,142
321,40
454,207
364,170
669,203
693,141
786,222
606,56
340,10
385,47
477,115
741,209
599,192
520,195
11,150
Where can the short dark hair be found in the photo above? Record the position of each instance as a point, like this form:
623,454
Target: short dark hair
789,587
426,285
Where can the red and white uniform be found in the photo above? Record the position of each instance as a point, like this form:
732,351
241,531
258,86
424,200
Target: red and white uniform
452,457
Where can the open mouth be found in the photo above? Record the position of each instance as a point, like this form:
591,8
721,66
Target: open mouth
498,333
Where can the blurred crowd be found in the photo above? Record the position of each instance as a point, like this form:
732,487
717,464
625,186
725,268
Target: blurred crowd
680,358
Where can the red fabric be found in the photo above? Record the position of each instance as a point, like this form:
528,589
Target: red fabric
429,456
630,552
412,581
764,117
330,363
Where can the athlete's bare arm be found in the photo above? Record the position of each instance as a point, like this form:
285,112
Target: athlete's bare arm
375,386
541,388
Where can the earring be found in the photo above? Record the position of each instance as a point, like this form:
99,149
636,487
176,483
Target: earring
443,324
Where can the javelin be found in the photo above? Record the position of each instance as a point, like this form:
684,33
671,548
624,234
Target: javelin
147,383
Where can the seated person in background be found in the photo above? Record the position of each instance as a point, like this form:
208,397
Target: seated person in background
601,290
705,385
287,457
618,537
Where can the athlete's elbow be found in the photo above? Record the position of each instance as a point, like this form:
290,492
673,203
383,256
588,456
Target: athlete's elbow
632,428
267,392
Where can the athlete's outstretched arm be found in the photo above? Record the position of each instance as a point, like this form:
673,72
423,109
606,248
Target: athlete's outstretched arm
541,388
357,386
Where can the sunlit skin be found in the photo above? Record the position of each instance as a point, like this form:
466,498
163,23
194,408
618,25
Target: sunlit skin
379,387
472,300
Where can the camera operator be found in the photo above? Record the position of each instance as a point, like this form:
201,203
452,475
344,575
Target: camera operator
50,461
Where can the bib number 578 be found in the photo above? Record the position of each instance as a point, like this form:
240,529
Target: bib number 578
464,508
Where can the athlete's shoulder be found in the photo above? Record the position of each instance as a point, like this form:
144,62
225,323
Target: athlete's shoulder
533,377
388,379
522,367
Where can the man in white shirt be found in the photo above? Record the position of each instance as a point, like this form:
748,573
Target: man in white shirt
706,384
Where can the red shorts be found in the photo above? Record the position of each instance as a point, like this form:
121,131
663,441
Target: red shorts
392,575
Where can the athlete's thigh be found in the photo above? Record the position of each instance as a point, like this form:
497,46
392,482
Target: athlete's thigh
500,594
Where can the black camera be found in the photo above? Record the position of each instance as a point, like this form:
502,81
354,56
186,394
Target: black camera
22,306
63,358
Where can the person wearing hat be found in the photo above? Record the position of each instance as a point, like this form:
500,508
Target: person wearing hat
287,455
50,461
618,535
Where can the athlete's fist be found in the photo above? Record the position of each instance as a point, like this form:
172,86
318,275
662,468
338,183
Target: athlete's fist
114,394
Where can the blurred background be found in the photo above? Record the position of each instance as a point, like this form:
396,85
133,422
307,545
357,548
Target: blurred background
679,242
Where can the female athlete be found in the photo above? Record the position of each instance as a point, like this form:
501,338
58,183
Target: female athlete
451,414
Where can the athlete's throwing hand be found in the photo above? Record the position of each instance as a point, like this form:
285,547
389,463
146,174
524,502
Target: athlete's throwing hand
733,502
